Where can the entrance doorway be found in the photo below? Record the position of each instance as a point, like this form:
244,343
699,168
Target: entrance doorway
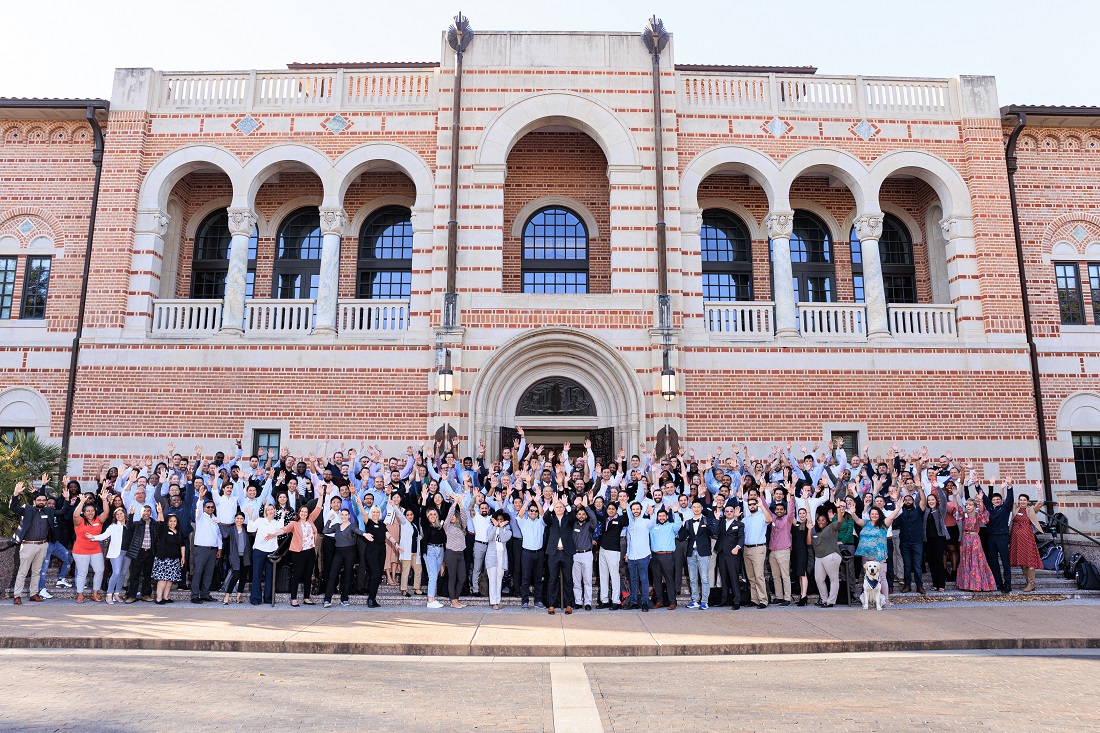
552,439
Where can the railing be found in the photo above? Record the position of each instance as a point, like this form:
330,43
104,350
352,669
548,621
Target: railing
743,320
842,321
186,318
278,317
829,96
331,90
373,317
922,321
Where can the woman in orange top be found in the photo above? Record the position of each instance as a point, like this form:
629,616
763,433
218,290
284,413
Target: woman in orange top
86,551
303,550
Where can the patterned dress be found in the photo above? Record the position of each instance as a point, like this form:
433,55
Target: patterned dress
974,573
1022,550
872,543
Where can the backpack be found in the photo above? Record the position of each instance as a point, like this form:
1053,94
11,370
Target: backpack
1053,558
1087,576
1070,570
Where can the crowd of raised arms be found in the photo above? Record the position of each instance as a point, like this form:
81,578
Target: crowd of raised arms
530,524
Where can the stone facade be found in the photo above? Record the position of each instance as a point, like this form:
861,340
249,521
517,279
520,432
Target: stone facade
564,119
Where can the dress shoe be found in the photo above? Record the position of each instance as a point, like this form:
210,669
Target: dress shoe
36,598
658,604
130,600
568,610
672,606
761,605
587,607
645,608
602,605
735,607
550,610
18,600
906,589
784,603
802,601
193,600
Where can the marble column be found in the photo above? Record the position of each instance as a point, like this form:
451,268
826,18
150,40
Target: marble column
780,225
869,229
333,221
242,222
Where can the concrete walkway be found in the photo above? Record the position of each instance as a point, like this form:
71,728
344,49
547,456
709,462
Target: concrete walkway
1066,625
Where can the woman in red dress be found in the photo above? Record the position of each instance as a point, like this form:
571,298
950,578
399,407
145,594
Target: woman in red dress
974,573
1023,553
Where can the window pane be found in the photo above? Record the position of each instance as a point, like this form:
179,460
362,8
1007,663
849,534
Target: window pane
810,240
384,284
857,286
1086,460
208,284
819,289
555,234
727,286
288,286
300,236
1069,293
265,439
387,235
895,246
723,238
899,288
555,282
9,434
1094,286
213,238
36,287
7,285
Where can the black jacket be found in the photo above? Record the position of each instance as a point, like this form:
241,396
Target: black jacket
27,514
138,537
730,534
701,539
234,558
559,530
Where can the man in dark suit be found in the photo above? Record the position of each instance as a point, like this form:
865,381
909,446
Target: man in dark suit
696,534
33,537
559,555
730,536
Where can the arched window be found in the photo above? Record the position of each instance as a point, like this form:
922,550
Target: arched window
555,252
385,254
811,259
726,248
297,271
895,247
210,261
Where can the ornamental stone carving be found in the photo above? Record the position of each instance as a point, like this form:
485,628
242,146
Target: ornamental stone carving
160,223
556,396
868,226
241,222
333,221
780,224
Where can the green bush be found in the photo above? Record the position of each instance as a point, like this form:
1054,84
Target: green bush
25,457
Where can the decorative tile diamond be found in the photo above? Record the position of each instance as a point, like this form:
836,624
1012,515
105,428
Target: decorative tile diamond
864,129
777,127
1079,233
336,124
26,227
247,125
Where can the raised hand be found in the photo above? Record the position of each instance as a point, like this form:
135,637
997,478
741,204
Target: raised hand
171,448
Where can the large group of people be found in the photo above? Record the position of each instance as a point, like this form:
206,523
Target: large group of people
559,531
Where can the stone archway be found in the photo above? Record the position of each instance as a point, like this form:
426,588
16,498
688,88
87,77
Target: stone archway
562,353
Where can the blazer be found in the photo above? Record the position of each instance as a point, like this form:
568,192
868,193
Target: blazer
559,530
730,534
139,537
233,550
701,540
27,514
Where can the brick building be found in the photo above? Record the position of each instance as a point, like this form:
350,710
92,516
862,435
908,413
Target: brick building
271,259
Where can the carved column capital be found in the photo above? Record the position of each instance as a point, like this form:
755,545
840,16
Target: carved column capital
153,222
241,222
955,227
333,221
780,224
868,226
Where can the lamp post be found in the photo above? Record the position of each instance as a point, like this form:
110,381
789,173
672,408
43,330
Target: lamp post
444,386
668,391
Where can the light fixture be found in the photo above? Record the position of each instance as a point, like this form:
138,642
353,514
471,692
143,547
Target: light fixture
668,381
445,380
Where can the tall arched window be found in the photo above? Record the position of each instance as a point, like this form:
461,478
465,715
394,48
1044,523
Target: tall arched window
385,254
210,261
811,260
895,247
726,248
297,271
555,252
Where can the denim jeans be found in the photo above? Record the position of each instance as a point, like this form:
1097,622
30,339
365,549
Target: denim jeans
699,573
263,578
434,560
911,555
639,580
58,550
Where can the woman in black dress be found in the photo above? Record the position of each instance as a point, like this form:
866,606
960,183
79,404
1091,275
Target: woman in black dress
169,557
800,552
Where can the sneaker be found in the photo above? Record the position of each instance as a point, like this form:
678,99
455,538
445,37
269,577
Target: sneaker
538,604
437,604
692,606
45,594
703,606
63,583
327,604
525,604
345,603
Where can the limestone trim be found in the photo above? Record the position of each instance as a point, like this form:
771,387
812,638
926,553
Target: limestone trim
284,157
168,171
868,227
944,179
915,230
563,201
758,166
840,164
557,107
286,209
1078,412
333,221
25,407
373,156
360,217
756,229
241,222
824,215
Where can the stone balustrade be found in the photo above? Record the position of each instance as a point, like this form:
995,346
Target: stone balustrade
833,321
372,317
200,319
922,321
746,320
186,318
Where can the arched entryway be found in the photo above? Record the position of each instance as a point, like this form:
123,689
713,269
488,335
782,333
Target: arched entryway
561,382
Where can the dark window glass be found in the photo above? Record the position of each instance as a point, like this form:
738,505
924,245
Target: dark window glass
1069,293
385,254
555,252
851,441
7,285
726,250
262,440
9,435
298,256
1094,286
1086,460
210,263
811,259
895,247
36,287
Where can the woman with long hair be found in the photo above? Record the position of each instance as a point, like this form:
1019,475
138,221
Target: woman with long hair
87,552
872,539
800,550
169,558
394,514
1023,552
116,536
303,551
935,537
433,543
974,573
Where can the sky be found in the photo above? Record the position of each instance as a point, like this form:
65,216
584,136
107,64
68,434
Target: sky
1041,53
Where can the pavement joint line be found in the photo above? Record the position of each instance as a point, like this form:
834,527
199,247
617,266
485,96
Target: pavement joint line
575,708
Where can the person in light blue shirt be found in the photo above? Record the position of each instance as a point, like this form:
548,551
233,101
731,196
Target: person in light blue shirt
638,554
533,529
662,544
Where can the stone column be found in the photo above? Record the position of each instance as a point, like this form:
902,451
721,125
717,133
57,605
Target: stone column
780,225
869,229
333,222
242,222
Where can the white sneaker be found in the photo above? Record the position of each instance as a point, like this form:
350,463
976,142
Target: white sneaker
435,604
63,583
45,594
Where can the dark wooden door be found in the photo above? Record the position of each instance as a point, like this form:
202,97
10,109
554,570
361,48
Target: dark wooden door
508,438
603,444
673,440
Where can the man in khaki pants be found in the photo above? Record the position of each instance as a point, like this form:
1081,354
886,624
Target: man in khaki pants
780,546
756,521
33,536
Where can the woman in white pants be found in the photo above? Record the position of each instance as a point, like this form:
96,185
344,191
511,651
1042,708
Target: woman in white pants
120,562
496,554
826,556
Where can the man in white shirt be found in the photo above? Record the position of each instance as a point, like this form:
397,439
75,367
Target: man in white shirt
480,522
208,550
